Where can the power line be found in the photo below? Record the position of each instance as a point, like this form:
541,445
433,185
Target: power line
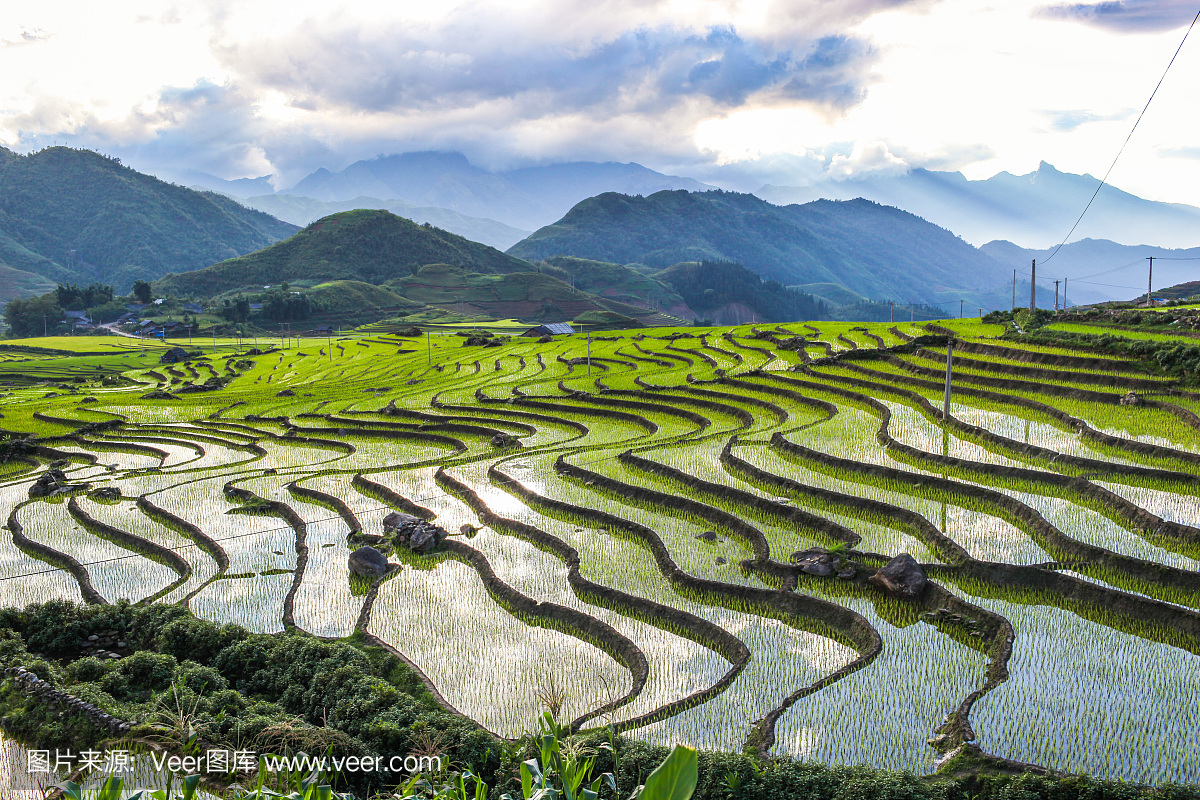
1113,269
1109,285
1104,180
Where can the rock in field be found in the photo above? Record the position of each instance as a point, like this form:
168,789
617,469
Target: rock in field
395,519
52,482
367,562
1131,399
502,440
815,561
416,534
901,577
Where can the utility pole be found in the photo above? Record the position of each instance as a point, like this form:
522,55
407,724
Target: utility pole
428,350
960,309
1014,305
1150,285
1033,287
45,329
891,310
949,374
1056,283
1064,294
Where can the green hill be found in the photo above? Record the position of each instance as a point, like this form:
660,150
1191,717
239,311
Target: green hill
517,295
353,295
614,282
873,250
16,283
362,245
75,215
720,291
832,293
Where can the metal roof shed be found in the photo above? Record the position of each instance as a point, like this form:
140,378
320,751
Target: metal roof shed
549,329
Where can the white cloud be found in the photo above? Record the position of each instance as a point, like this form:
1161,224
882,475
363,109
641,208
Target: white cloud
867,158
241,88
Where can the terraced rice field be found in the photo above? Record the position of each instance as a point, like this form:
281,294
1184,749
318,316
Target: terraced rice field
1060,530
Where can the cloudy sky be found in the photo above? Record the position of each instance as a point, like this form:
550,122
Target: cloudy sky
780,91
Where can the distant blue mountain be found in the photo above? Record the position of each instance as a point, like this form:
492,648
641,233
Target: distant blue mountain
239,187
1124,270
527,198
1034,210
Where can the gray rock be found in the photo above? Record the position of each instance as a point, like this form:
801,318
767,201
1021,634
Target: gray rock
423,539
816,561
504,440
367,562
418,535
901,577
707,536
395,519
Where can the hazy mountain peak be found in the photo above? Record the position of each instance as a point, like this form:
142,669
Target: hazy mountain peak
1033,210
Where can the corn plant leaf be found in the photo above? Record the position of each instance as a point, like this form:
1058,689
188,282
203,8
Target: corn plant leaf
675,778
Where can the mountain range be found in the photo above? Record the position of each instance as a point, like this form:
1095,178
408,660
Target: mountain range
76,216
525,198
1095,270
1034,210
71,215
875,251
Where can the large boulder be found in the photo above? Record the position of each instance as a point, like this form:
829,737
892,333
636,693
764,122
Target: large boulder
1131,399
417,535
901,577
368,562
395,519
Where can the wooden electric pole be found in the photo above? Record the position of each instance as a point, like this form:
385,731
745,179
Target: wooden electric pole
1056,283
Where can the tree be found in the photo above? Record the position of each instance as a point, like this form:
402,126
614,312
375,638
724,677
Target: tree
32,317
142,291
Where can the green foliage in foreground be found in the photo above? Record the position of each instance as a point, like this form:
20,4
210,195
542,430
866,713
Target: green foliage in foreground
193,683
